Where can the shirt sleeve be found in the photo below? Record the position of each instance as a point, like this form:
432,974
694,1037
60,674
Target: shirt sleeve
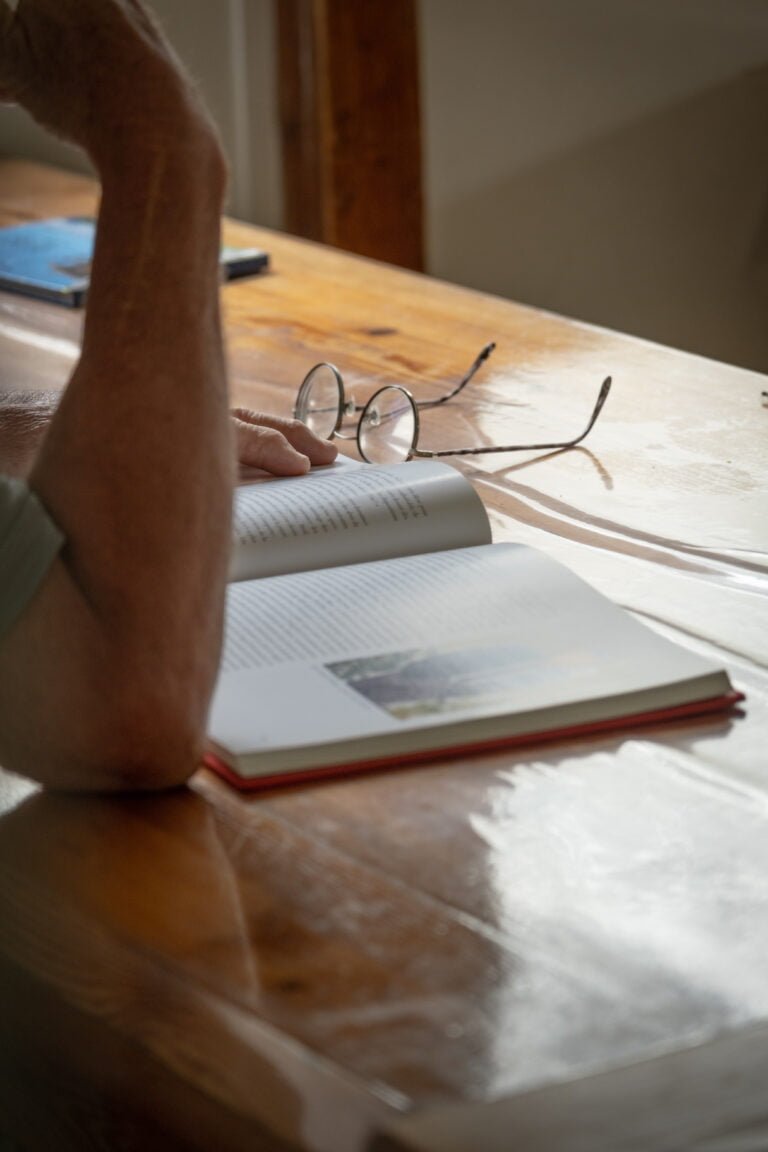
29,543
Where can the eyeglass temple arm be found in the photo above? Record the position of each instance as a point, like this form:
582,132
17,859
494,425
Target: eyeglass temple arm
605,388
476,364
349,407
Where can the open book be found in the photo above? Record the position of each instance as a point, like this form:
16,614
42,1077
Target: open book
371,622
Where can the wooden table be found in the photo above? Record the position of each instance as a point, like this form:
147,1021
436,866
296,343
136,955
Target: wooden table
563,948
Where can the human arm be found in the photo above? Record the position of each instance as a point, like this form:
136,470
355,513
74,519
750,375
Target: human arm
107,674
273,443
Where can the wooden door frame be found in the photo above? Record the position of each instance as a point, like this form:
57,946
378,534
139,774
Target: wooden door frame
349,100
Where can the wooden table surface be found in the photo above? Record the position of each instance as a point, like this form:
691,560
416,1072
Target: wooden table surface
560,948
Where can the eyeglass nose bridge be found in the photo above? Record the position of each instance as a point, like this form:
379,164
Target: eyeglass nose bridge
326,415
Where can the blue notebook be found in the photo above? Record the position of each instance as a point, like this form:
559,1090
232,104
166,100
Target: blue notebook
51,259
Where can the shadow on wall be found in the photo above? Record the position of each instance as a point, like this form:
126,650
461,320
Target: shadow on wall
659,229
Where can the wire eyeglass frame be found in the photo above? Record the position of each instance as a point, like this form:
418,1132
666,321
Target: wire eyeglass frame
373,417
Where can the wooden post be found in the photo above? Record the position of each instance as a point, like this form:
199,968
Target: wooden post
350,124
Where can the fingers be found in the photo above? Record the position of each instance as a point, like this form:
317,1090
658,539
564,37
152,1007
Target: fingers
285,447
268,449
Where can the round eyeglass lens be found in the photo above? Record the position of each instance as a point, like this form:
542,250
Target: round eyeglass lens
320,400
388,426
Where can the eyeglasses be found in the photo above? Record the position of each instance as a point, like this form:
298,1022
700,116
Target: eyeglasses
388,429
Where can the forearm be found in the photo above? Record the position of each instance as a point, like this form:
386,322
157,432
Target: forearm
107,673
136,464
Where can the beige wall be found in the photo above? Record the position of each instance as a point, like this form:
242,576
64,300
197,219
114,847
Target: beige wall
603,158
608,160
227,45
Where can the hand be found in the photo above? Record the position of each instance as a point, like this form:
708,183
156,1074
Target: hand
284,447
281,446
97,72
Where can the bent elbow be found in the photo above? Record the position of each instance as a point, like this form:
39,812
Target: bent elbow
150,761
145,746
104,704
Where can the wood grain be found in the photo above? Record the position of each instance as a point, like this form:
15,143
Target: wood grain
485,953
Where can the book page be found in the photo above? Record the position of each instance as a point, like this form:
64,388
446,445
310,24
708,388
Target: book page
434,639
346,514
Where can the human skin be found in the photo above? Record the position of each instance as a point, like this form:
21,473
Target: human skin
274,444
106,677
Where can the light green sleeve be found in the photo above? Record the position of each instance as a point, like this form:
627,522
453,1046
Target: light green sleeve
29,542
